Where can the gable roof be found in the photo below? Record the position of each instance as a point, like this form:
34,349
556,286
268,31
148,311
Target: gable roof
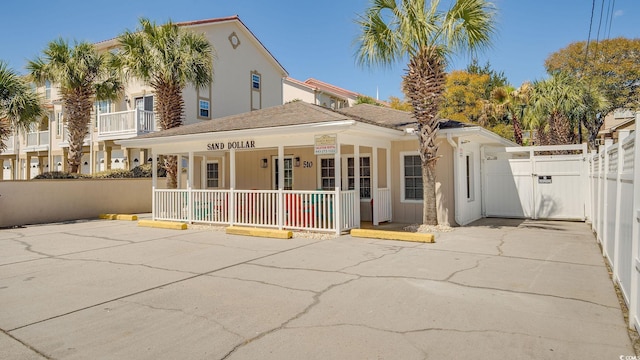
113,42
381,115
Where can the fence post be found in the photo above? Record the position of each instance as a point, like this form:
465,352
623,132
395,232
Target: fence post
635,235
605,199
618,199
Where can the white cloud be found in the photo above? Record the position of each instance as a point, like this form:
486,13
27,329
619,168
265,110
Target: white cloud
618,13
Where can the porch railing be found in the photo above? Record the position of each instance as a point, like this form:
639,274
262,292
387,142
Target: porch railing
383,210
295,210
38,138
125,123
9,143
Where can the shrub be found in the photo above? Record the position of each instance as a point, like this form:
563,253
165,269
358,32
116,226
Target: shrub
61,175
144,170
114,174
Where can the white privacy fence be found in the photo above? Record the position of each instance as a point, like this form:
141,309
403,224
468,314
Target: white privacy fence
287,209
614,176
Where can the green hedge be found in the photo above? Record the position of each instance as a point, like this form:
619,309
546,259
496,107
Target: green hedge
142,171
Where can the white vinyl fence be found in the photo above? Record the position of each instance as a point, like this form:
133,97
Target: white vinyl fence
614,174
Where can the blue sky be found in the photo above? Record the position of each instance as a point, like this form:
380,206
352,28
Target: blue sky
315,38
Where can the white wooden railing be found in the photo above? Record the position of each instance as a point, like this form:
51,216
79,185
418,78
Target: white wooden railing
383,209
125,123
615,214
287,209
38,138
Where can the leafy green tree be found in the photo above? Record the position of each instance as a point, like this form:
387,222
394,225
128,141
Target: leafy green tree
496,79
392,32
168,58
510,104
611,66
83,75
364,99
396,103
20,106
463,96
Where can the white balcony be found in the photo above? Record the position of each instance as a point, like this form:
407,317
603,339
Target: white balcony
125,124
37,141
10,146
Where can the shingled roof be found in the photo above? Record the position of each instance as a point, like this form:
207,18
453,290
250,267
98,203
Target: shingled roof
398,119
295,113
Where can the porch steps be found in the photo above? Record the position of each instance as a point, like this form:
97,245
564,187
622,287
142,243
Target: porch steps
162,224
126,217
270,233
393,235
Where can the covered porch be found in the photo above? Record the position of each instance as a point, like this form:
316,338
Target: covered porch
334,174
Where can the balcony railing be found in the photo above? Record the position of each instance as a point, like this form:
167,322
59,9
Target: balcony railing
38,139
125,124
9,144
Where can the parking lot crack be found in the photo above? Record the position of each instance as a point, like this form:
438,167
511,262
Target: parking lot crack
314,303
465,269
28,248
131,264
206,318
28,346
395,250
262,282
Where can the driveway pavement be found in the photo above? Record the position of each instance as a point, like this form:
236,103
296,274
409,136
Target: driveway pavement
501,289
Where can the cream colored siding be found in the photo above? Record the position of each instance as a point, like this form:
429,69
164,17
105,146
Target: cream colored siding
411,212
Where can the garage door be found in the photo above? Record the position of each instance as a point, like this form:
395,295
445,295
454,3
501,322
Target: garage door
536,182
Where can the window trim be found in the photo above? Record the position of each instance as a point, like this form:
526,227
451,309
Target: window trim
469,172
206,174
274,175
200,108
344,171
403,154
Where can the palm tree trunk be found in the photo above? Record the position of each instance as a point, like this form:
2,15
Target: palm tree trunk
424,86
170,109
517,130
78,115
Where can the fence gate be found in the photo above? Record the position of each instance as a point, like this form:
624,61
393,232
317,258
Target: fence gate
537,182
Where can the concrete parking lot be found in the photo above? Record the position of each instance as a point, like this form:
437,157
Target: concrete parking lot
500,289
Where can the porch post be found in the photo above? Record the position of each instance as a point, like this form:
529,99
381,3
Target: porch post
107,157
374,185
179,173
190,188
337,220
281,187
356,181
28,168
388,153
154,183
232,186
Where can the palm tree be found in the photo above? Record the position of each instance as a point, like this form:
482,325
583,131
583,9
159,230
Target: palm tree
20,106
555,101
167,58
83,76
392,31
510,104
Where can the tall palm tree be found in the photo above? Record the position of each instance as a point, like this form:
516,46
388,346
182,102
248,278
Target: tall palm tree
20,106
167,58
83,76
392,31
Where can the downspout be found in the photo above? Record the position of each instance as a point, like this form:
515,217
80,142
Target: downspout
456,187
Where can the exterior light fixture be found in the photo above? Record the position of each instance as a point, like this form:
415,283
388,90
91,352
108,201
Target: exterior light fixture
264,163
296,163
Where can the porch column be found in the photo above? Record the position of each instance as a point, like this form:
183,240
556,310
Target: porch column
14,169
232,186
356,180
189,188
107,157
280,187
179,172
337,178
1,169
374,185
28,167
388,153
65,156
154,183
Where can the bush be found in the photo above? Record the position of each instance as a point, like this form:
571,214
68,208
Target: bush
142,171
61,175
114,174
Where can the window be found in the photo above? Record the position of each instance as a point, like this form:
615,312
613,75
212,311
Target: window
144,102
469,176
203,108
59,124
365,176
255,81
213,178
412,176
47,89
288,173
104,106
327,174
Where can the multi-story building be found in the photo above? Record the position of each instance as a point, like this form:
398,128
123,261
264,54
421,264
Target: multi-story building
316,92
246,77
